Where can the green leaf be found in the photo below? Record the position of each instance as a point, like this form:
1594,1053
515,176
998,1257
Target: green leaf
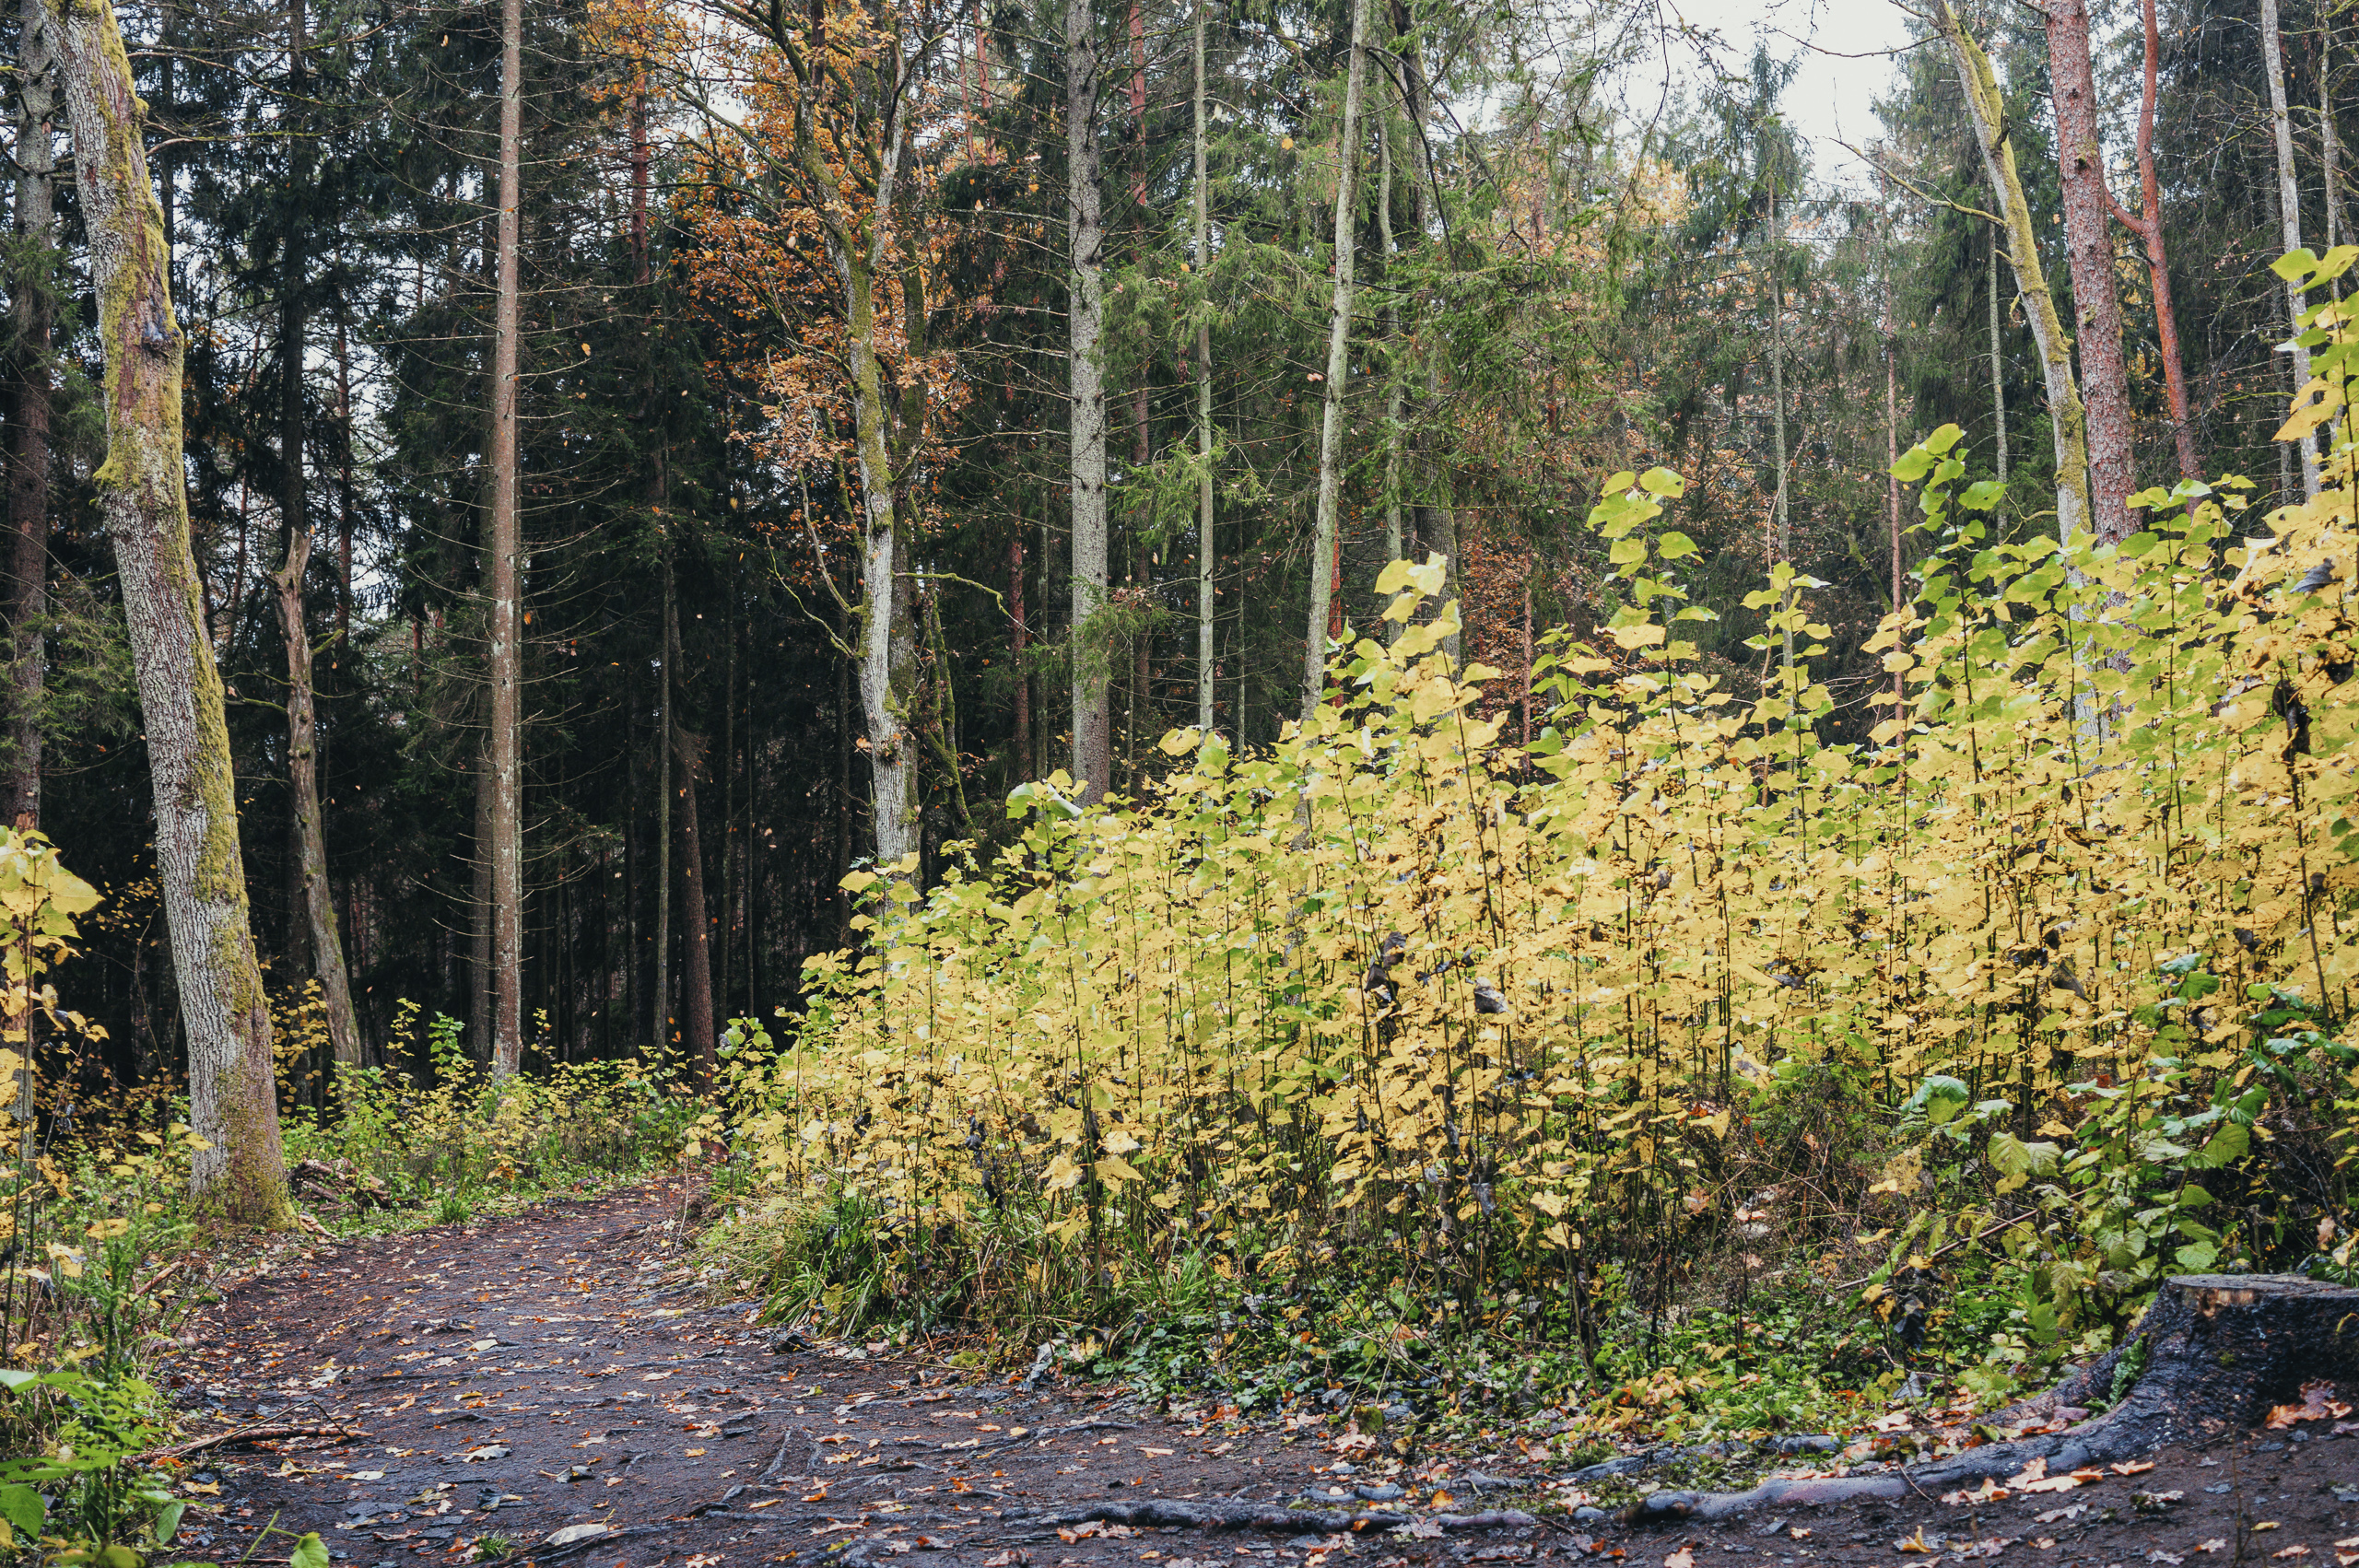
23,1507
1663,481
2296,266
1628,552
1941,1098
168,1520
1675,545
1942,439
309,1552
2228,1145
12,1378
1914,465
1983,495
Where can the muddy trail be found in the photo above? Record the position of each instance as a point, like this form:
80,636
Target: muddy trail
549,1388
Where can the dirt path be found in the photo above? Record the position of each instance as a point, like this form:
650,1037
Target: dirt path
547,1382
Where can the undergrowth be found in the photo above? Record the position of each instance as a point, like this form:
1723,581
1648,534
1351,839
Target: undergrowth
1686,1069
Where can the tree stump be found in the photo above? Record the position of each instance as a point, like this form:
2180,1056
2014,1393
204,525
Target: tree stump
2211,1355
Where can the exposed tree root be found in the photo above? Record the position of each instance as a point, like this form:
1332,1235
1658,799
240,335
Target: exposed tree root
2211,1355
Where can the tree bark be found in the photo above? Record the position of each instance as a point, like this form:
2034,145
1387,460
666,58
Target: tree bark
318,908
695,935
293,518
1783,549
665,1019
1997,369
1017,641
34,294
1093,717
2289,218
1206,623
2067,420
2096,304
504,652
2148,227
1339,365
143,498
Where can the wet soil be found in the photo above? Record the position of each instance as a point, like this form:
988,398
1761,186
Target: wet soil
550,1386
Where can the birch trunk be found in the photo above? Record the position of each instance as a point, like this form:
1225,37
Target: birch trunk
2088,241
2067,420
318,910
35,301
1093,739
143,498
2289,217
1783,548
1997,367
1339,365
1207,641
504,653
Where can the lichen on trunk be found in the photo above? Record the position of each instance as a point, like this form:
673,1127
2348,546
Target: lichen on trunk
143,498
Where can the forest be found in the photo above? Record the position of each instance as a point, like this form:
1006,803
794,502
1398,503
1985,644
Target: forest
1230,692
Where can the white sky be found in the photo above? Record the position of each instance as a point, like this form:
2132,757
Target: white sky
1832,99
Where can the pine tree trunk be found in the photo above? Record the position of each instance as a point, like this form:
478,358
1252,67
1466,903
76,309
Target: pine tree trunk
1206,643
2088,241
1437,522
34,293
2148,226
696,933
143,501
1393,392
1093,717
2068,423
2289,218
1339,365
293,517
1783,548
1017,641
317,912
665,1018
504,660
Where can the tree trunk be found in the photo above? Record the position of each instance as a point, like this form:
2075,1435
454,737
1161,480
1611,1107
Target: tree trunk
504,661
143,500
1997,367
1093,717
664,1017
1783,548
318,909
1987,110
2148,227
293,518
1017,641
1394,394
2289,218
696,944
34,292
1206,642
1339,365
1437,522
2088,241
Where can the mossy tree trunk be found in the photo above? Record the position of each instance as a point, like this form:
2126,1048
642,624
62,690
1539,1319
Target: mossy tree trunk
1988,112
33,287
1093,716
1324,561
143,496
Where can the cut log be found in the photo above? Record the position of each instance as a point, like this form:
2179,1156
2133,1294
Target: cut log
2211,1355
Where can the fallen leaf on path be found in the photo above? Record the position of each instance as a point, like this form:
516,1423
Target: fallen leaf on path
2264,1524
2217,1543
2159,1555
2133,1468
2069,1511
1916,1542
572,1533
2297,1550
2030,1473
2317,1403
2051,1484
1798,1533
1683,1558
